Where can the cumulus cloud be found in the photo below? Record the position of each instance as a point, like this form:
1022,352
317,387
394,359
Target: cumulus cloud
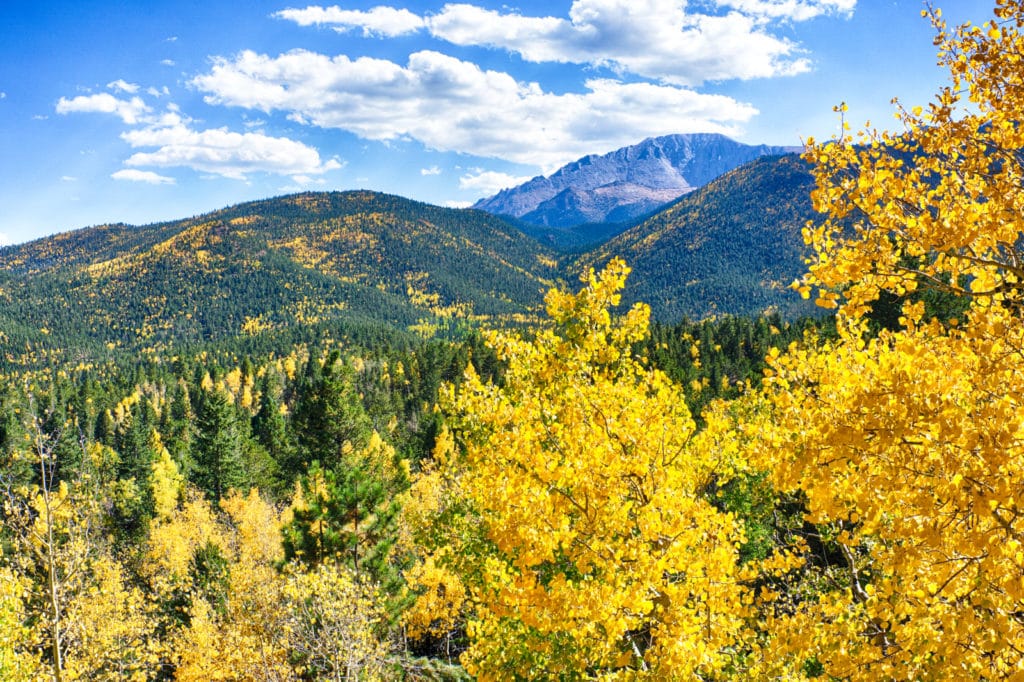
657,39
221,152
5,239
135,175
433,170
68,178
167,62
130,111
452,105
792,10
382,21
120,85
667,40
489,182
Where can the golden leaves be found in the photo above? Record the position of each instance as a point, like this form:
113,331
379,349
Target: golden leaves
579,494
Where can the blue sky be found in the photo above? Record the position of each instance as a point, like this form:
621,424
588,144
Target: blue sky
148,110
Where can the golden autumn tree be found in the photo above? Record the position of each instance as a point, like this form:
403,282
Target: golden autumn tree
81,618
567,508
908,444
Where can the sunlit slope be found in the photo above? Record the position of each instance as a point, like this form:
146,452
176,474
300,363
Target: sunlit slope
732,246
266,265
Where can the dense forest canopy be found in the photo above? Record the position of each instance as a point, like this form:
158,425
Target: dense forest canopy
589,496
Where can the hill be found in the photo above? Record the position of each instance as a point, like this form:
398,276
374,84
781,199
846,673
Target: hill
731,247
265,274
625,184
300,260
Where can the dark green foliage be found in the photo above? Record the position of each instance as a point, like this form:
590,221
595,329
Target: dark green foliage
721,355
211,576
751,498
307,259
329,412
178,426
270,431
731,247
218,446
349,514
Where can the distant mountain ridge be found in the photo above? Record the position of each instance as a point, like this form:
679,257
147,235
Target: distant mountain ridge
627,183
341,263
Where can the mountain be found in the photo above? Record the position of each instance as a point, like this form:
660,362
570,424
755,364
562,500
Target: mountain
348,264
265,266
730,247
624,184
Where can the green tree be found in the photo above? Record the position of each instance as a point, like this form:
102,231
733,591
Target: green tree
218,446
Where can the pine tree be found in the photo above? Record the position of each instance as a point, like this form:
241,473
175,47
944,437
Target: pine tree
218,446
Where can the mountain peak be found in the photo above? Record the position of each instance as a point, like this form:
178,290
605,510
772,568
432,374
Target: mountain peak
626,183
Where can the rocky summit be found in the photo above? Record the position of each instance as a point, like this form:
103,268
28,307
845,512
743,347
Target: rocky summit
627,183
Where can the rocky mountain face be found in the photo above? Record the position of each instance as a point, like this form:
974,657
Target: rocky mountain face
627,183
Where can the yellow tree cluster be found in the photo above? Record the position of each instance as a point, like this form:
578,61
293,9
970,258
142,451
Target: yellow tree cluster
208,599
908,445
566,509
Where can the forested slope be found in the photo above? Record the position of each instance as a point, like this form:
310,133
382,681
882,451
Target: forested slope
731,247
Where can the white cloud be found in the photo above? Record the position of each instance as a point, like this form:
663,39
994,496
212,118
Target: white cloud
135,175
161,92
130,111
382,21
667,40
225,153
167,62
660,39
453,105
3,95
792,10
120,85
68,178
5,239
457,204
489,182
433,170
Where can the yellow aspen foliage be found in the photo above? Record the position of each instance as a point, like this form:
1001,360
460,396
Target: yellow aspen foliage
908,445
168,483
572,511
80,617
440,599
243,636
111,629
18,661
204,651
332,624
909,448
173,542
939,203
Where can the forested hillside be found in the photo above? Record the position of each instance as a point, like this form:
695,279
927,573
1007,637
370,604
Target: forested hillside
353,259
575,494
731,247
357,263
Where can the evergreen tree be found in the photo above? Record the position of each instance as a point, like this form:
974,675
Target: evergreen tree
270,429
218,446
329,412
